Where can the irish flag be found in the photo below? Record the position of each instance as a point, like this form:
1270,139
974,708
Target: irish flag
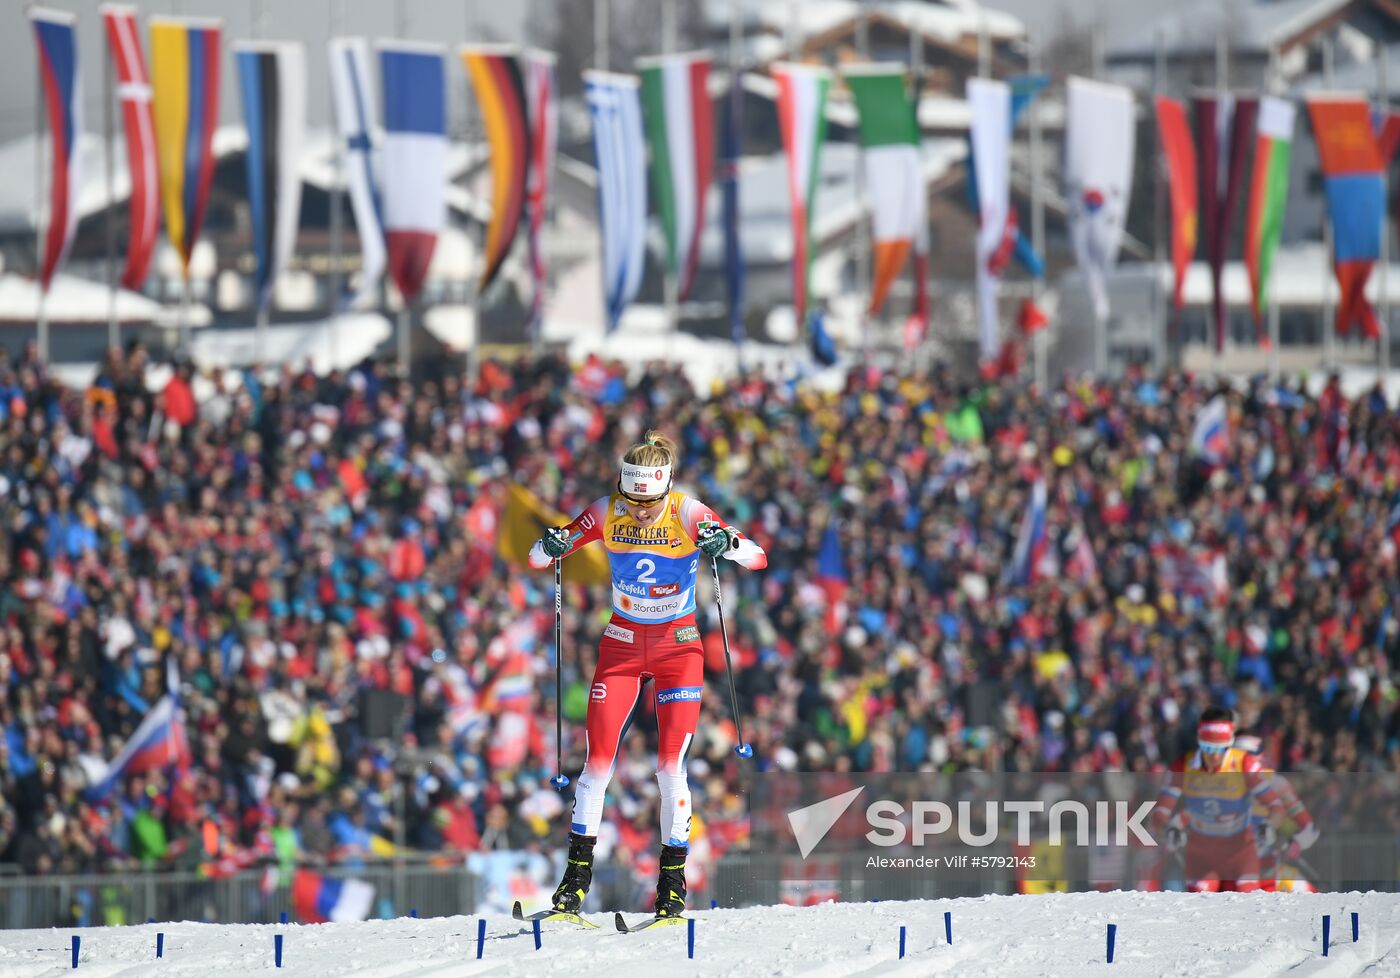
681,142
802,119
1268,194
889,136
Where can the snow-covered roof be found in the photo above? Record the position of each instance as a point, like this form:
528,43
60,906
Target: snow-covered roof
1195,25
71,300
946,20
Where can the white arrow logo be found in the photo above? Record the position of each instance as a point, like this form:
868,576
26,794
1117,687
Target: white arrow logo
811,824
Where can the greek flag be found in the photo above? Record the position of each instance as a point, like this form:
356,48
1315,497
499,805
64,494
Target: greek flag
615,104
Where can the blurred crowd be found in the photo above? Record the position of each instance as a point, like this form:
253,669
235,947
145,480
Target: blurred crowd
313,565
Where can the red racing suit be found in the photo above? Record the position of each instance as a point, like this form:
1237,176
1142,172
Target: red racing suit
652,635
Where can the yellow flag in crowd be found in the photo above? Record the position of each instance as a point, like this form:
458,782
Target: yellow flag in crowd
526,518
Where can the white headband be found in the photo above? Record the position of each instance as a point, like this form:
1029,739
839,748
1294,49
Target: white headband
644,480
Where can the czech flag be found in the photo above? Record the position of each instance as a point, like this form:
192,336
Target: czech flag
318,899
185,58
414,77
56,34
158,743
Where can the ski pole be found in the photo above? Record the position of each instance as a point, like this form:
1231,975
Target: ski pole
560,781
744,749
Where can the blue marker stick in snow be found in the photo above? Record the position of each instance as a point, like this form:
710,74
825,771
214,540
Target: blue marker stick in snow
948,925
1112,937
901,940
1326,932
1355,926
77,941
282,917
160,945
537,933
277,950
480,937
690,938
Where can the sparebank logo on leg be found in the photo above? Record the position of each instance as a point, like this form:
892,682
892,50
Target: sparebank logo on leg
891,823
678,694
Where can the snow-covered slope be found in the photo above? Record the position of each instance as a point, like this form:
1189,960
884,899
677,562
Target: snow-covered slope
1159,934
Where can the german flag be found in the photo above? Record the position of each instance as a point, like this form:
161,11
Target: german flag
499,83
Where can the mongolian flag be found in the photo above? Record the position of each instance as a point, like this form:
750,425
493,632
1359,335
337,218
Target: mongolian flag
1351,167
134,90
185,58
56,34
1268,195
414,77
499,83
1180,154
272,80
802,93
680,133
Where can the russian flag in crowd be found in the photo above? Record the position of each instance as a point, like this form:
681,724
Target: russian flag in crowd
1034,558
832,576
415,158
56,34
1210,436
318,899
159,742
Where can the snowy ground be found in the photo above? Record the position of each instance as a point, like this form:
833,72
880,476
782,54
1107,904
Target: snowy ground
1159,934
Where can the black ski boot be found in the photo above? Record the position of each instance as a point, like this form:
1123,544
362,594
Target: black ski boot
578,874
670,882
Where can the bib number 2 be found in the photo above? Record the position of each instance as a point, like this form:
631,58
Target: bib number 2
646,571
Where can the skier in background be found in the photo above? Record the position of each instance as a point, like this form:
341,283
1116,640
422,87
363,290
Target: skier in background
1280,844
1207,805
655,538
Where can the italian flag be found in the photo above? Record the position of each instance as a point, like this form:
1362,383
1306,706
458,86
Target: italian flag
680,139
1268,195
889,134
802,119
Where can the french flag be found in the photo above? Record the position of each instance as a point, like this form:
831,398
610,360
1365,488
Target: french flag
318,899
1210,436
415,158
832,577
56,34
158,743
1034,558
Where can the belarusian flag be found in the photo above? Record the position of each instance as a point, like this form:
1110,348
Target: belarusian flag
681,139
802,120
1268,194
889,136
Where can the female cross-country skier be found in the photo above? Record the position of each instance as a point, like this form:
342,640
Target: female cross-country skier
656,539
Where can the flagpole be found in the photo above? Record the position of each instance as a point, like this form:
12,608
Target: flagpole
114,340
41,320
671,279
1383,359
735,42
1100,323
1042,337
1158,319
863,204
1222,82
1329,341
600,34
916,62
1274,363
472,283
336,280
